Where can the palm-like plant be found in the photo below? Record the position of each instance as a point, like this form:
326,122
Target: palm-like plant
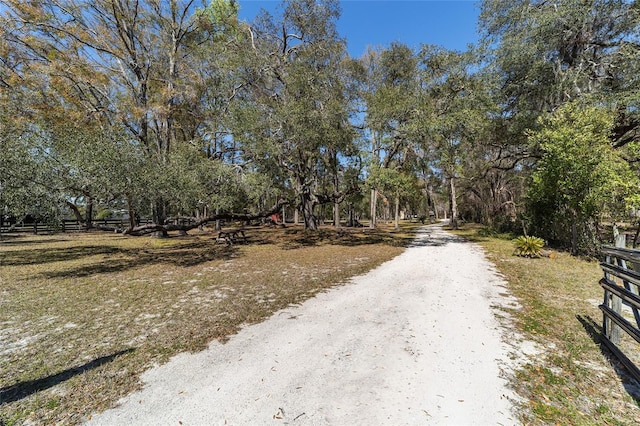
528,246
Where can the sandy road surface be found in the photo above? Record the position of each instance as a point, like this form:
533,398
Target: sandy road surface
413,342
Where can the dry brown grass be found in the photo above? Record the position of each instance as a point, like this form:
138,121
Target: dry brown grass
83,315
574,381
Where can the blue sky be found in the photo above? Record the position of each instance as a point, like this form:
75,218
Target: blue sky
451,24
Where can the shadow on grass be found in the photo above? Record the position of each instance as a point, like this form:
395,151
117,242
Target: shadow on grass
183,256
594,331
18,239
350,237
40,256
24,389
191,253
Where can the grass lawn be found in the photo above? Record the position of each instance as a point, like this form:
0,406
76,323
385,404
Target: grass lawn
83,315
574,380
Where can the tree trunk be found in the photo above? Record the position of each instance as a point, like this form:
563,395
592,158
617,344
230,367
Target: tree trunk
159,218
88,214
75,211
159,213
374,201
387,210
350,221
162,230
431,203
397,213
453,204
307,203
336,190
132,214
218,226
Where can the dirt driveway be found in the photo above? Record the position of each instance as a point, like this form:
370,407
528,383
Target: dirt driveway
415,341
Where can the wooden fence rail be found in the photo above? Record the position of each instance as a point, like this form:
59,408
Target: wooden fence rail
616,269
67,225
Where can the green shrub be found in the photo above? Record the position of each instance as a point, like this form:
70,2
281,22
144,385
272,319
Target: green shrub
487,232
103,214
528,246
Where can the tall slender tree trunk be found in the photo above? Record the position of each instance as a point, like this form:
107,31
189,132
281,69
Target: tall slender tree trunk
453,204
397,213
374,207
336,189
431,202
374,193
296,209
387,211
336,186
218,226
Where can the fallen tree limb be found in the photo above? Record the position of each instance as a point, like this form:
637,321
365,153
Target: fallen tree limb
164,229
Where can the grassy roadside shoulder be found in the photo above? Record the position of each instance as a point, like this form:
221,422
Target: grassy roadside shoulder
573,381
83,315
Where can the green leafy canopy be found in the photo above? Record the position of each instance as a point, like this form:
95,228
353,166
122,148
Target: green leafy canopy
580,178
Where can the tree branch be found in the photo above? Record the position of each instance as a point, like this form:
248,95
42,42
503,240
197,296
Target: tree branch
152,227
